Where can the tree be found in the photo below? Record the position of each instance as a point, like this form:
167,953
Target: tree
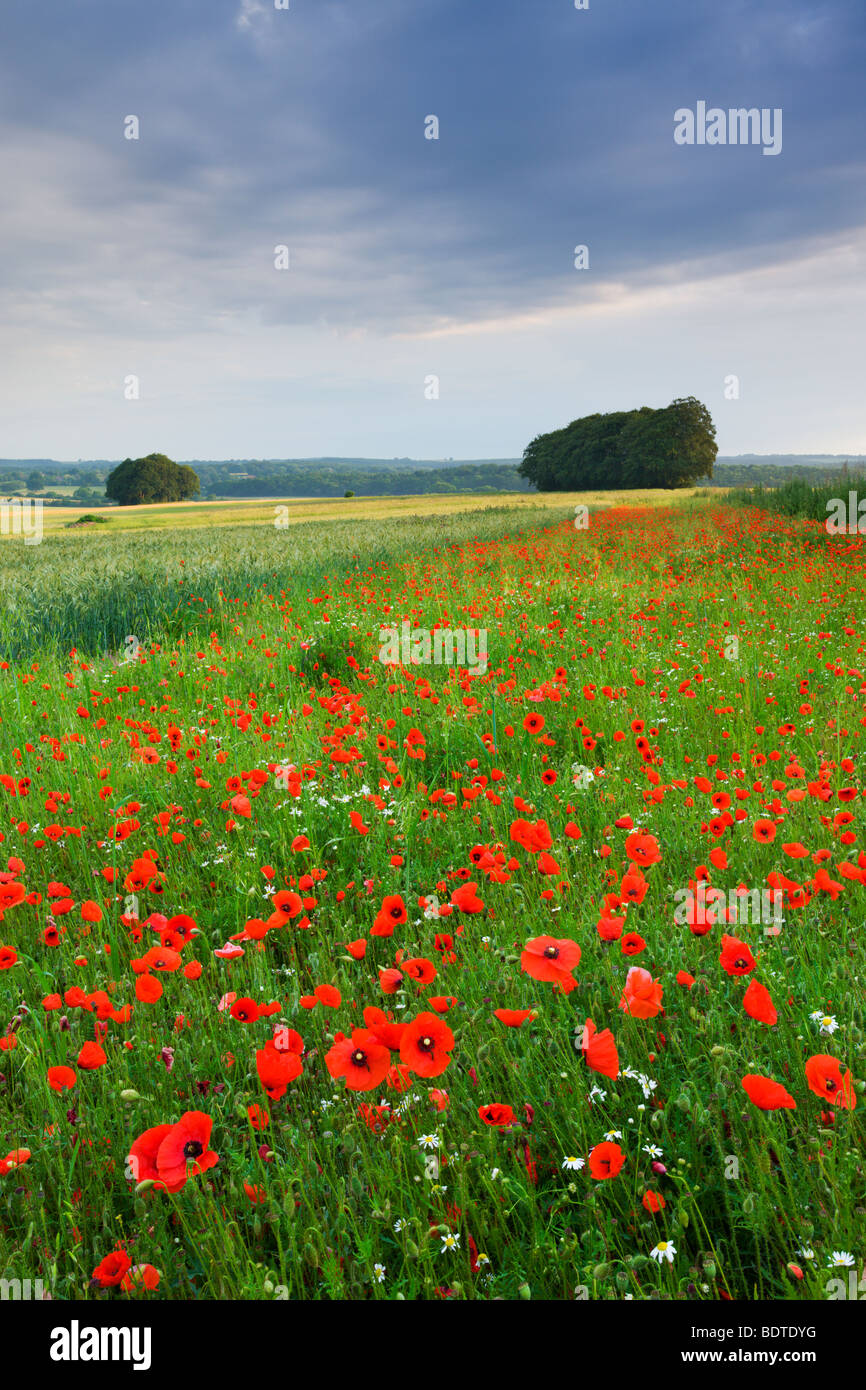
154,478
672,447
668,448
35,481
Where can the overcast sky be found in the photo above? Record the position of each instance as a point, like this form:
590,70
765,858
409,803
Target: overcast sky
413,258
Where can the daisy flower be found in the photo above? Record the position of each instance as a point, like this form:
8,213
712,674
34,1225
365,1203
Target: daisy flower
665,1250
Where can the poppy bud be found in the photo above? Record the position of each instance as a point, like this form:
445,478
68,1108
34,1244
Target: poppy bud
524,1292
130,1097
144,1185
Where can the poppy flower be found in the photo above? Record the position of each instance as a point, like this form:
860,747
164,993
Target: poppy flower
466,898
141,1160
764,831
605,1160
391,914
277,1069
497,1115
551,959
758,1004
513,1018
186,1144
245,1010
61,1078
599,1050
643,849
736,957
148,989
824,1077
632,944
767,1094
642,995
112,1269
653,1202
421,970
91,1057
361,1060
387,1032
426,1045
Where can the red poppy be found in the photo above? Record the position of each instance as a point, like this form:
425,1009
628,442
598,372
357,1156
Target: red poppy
643,849
605,1160
142,1157
361,1060
426,1045
61,1078
391,914
186,1144
824,1077
736,957
387,1032
767,1094
599,1050
758,1004
642,996
551,960
513,1018
245,1010
653,1202
497,1115
91,1057
112,1269
276,1069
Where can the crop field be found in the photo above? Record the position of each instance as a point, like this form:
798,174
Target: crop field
264,511
433,900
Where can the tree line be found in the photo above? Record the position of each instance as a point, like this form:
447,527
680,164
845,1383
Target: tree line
669,448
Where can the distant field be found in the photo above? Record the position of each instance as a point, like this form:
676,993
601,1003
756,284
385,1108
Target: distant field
262,511
156,570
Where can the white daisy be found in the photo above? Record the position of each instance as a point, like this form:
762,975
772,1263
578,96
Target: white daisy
665,1250
450,1242
573,1164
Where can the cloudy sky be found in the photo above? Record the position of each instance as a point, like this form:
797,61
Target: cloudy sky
413,258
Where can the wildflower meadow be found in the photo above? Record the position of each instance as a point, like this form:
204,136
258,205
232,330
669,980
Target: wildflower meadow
330,970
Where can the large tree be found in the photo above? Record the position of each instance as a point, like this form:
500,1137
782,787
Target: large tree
153,478
672,447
